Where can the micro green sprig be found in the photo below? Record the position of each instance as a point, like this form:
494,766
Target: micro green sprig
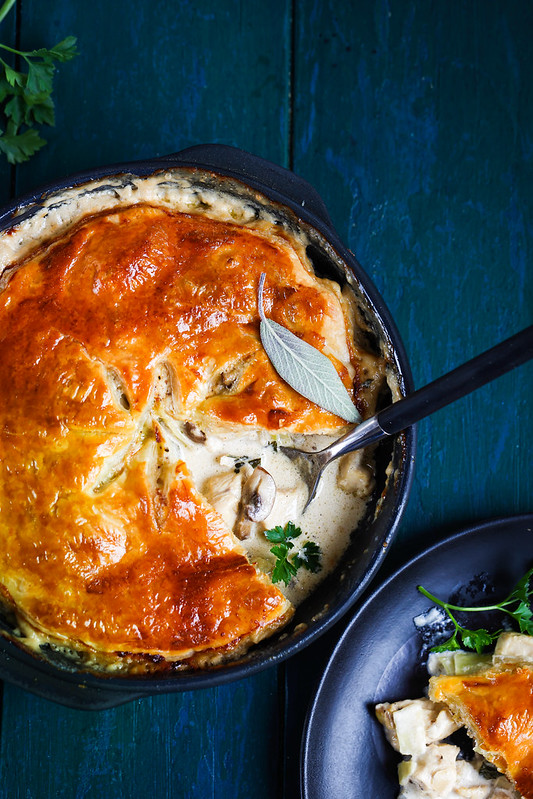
517,606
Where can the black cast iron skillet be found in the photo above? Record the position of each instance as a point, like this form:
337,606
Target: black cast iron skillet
369,543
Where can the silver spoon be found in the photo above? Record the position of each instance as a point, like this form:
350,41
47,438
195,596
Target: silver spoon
396,417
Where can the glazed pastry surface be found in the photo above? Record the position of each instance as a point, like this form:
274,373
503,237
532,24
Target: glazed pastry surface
135,321
497,708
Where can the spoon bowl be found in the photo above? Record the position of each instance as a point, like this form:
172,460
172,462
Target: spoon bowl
312,464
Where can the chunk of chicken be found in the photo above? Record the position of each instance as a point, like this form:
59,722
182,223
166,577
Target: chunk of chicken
223,491
412,724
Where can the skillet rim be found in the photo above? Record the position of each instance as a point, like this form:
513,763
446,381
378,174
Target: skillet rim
88,690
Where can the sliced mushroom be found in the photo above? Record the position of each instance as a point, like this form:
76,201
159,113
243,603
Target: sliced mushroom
163,388
228,380
193,432
258,495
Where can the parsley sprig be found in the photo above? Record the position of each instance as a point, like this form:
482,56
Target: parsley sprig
287,562
26,95
517,605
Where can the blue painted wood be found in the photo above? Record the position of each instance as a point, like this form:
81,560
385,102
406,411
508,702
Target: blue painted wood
415,122
153,78
424,157
218,743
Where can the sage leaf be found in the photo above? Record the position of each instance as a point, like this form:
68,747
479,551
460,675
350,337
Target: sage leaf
307,370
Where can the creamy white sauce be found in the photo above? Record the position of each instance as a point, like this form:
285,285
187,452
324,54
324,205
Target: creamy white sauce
430,780
433,768
328,522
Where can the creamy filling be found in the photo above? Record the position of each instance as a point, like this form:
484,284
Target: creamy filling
346,484
418,729
173,189
220,467
222,464
438,774
433,768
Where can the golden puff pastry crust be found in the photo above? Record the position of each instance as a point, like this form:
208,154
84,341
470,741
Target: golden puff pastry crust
496,707
134,319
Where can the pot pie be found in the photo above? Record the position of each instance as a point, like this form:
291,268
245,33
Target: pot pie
140,417
490,696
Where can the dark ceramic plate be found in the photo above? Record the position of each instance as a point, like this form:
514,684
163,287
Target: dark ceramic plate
344,753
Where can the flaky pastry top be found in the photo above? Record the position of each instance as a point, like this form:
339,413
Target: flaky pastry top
497,708
135,320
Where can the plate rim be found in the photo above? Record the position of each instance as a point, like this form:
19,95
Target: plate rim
521,519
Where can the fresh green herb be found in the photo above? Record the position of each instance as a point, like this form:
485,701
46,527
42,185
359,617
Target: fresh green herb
287,563
26,96
308,557
242,461
517,605
307,370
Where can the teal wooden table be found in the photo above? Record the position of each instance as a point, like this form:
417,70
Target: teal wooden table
415,123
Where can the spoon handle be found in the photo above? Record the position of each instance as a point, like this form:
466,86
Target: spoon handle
461,381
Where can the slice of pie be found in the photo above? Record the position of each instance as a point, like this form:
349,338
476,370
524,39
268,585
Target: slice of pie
496,706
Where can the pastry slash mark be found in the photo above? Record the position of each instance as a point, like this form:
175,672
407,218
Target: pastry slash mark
115,464
118,389
153,440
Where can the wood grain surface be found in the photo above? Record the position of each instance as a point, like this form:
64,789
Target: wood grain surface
415,123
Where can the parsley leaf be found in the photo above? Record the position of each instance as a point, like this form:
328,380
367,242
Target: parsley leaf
477,639
287,563
284,569
20,146
448,646
26,96
517,605
308,557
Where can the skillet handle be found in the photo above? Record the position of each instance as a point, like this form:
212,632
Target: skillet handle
280,183
461,381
